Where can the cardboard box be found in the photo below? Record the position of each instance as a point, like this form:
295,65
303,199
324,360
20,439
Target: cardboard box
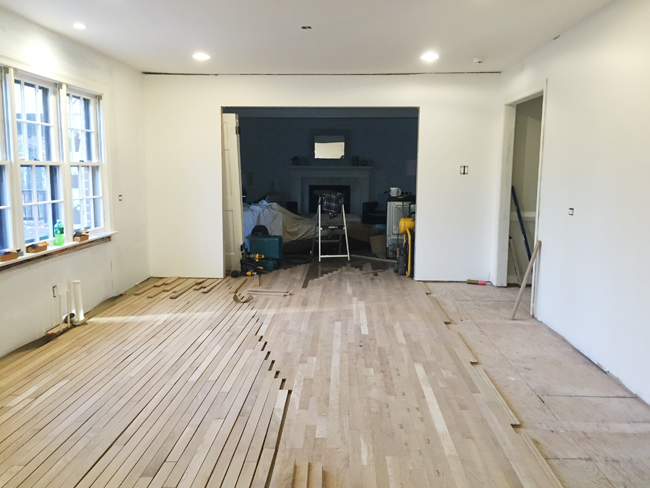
8,255
81,235
37,247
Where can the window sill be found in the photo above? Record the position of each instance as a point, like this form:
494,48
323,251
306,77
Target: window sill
52,251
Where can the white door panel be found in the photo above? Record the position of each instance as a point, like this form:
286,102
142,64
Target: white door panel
233,227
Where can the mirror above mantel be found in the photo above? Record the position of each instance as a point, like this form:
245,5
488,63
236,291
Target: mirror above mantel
329,145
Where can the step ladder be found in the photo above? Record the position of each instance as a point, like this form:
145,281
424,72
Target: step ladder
342,229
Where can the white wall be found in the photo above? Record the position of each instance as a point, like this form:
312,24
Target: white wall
26,303
593,275
460,124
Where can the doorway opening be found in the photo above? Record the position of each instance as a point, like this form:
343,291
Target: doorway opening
286,154
524,187
520,191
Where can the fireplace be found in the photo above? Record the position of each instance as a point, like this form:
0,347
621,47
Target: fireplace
313,198
356,178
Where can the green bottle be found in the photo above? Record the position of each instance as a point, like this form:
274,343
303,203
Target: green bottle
58,233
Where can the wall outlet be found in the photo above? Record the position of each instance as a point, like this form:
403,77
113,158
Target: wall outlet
464,170
570,211
119,198
55,291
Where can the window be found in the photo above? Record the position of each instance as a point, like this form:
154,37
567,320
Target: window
85,179
5,209
81,134
34,121
42,202
42,196
6,234
86,197
51,164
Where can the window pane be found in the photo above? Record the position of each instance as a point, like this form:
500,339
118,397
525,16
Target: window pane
55,183
41,184
27,183
89,146
4,187
33,152
74,181
85,181
79,149
46,143
5,228
97,182
74,112
43,105
44,220
87,213
29,223
76,214
22,140
30,102
18,100
57,214
99,214
87,114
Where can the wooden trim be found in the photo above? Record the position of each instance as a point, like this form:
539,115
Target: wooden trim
51,253
525,280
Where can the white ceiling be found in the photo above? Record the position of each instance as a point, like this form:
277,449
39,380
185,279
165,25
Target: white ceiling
347,36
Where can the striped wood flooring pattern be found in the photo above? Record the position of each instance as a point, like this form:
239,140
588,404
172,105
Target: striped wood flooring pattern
354,380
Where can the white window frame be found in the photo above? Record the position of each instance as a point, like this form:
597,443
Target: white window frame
97,155
25,79
35,204
60,154
83,198
5,149
7,209
22,78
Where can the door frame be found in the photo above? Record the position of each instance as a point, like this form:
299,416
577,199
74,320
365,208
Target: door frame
237,214
503,225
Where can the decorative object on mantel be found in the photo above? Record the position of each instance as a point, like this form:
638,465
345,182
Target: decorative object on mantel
81,235
295,161
9,255
365,162
354,160
37,247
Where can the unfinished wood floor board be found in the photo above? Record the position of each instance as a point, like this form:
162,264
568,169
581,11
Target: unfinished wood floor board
384,360
152,350
144,460
355,378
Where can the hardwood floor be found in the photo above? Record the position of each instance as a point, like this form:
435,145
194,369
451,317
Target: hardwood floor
592,431
358,378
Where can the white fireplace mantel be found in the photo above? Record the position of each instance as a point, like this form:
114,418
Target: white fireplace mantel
357,177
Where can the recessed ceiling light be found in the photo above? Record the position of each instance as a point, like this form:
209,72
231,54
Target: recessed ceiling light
429,57
79,25
201,56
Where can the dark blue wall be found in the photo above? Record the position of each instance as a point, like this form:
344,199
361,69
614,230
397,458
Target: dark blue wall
268,144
